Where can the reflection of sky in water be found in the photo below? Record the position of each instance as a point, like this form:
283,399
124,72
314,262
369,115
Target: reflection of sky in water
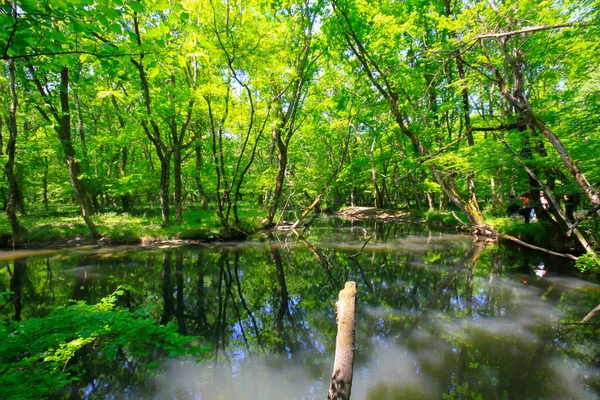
427,326
408,365
392,371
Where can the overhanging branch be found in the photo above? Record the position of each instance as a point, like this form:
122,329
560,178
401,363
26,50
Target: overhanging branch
528,29
502,127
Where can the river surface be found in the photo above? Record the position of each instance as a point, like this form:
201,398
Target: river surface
440,315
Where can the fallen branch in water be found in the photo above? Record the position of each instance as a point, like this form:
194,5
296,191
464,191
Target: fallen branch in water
590,314
522,243
362,248
582,322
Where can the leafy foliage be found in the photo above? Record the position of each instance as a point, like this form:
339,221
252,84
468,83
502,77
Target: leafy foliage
221,104
39,355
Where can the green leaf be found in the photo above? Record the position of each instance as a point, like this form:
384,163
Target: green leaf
111,352
116,28
162,5
136,6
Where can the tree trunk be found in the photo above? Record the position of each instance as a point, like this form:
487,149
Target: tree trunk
1,138
63,131
45,183
579,177
164,187
470,210
80,128
64,134
473,214
521,104
11,209
341,380
126,199
177,160
201,193
377,196
279,180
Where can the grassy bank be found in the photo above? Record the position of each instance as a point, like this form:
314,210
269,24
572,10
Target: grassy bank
66,227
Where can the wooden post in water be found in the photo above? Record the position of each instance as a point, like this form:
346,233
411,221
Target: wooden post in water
341,380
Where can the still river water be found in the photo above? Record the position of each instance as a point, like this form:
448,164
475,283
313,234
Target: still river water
440,315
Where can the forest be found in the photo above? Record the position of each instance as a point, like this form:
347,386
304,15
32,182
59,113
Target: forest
209,130
250,108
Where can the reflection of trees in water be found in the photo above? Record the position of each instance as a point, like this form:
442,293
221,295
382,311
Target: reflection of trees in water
167,289
249,313
283,309
81,287
437,303
16,284
234,303
222,308
201,320
180,309
173,300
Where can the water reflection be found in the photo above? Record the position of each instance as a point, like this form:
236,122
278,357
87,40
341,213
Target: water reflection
439,314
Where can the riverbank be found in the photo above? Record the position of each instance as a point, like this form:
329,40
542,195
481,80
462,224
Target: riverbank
67,230
64,230
444,220
533,235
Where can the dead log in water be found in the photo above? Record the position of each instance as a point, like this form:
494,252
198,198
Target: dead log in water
341,380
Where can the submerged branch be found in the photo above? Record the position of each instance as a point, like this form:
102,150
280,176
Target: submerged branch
362,248
531,246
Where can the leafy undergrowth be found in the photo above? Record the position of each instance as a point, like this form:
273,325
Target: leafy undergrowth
124,228
38,356
445,218
534,232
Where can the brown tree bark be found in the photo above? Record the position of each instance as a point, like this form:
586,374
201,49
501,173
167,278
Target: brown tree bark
64,133
165,176
45,183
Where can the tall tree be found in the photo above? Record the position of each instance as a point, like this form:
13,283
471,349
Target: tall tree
386,67
165,125
290,87
11,205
